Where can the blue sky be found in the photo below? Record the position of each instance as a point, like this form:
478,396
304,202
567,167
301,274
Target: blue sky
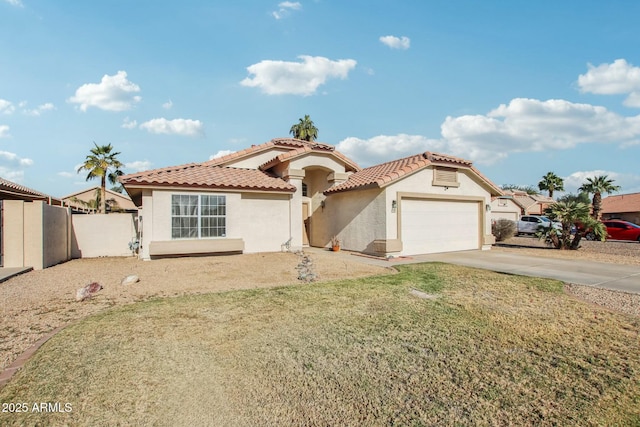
519,87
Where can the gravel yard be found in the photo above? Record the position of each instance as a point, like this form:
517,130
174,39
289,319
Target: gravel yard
37,302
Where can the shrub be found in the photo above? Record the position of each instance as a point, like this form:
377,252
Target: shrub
503,229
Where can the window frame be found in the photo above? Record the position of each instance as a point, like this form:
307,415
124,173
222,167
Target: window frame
205,225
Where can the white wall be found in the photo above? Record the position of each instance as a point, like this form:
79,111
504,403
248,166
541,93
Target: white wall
102,235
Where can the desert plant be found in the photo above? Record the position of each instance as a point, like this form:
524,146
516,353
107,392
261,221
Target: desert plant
503,229
596,186
571,214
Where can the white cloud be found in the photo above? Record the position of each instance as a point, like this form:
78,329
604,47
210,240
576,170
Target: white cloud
38,110
619,77
220,154
523,125
138,165
4,131
296,78
186,127
167,105
533,125
16,3
129,124
6,107
285,8
12,174
14,158
629,183
67,174
383,148
113,93
396,42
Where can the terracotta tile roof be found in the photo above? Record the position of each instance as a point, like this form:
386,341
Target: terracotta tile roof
19,191
308,148
621,203
386,173
204,175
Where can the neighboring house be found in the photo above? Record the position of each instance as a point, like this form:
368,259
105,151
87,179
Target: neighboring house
12,191
505,207
288,193
85,201
34,227
531,204
622,206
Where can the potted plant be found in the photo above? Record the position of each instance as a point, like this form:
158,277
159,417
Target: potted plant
335,243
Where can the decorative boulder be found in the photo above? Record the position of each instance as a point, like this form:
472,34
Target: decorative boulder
130,280
88,291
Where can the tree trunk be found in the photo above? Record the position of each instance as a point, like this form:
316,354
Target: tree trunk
103,190
597,205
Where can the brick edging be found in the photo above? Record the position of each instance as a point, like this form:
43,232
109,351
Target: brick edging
7,373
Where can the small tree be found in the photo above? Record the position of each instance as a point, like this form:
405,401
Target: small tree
576,222
304,129
102,163
596,186
551,182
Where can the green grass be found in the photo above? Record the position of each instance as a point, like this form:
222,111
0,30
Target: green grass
492,349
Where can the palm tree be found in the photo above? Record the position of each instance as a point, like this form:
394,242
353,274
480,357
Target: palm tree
596,186
551,182
304,129
576,222
104,164
529,189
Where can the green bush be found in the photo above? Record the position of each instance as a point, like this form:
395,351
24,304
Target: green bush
503,229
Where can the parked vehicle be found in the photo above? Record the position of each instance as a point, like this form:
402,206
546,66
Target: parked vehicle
529,224
622,230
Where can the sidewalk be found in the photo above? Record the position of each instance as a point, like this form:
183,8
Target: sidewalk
617,277
8,273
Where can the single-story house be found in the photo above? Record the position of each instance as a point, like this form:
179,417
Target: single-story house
289,193
531,204
85,201
505,207
622,206
12,191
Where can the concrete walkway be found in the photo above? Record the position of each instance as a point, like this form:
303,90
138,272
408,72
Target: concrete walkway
9,272
618,277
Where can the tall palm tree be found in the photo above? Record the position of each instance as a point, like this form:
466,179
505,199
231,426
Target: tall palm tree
551,182
102,163
304,129
596,186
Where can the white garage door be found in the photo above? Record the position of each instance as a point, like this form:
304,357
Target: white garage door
431,226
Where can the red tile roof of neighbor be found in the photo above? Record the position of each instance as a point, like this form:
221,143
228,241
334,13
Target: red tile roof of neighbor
621,203
22,192
203,175
386,173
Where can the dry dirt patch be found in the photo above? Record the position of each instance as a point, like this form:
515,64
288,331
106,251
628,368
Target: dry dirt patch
39,301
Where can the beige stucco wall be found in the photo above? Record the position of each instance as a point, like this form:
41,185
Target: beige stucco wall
261,220
357,218
35,234
505,208
102,235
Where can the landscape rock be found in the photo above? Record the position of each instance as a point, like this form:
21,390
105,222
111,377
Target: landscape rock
305,269
88,291
130,280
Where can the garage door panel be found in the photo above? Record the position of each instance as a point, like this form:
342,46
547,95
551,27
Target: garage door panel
431,226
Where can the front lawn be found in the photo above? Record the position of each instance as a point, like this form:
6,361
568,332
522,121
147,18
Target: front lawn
471,347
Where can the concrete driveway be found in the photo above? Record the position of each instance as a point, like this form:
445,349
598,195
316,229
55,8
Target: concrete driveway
610,276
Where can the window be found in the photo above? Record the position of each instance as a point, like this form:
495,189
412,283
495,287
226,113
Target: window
198,216
305,190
